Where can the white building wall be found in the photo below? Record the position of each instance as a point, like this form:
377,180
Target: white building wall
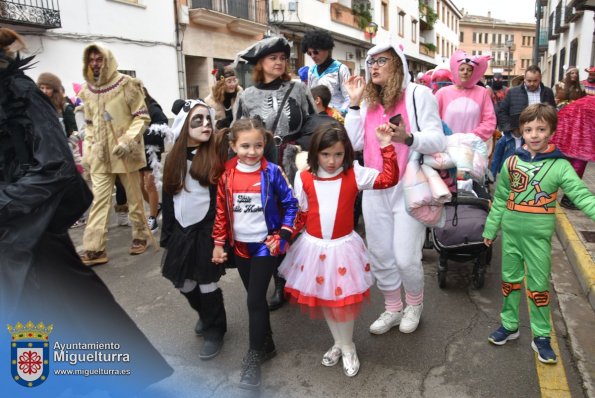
142,38
582,29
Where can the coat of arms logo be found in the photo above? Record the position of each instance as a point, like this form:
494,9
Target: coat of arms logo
29,353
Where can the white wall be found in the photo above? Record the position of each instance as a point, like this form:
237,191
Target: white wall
141,38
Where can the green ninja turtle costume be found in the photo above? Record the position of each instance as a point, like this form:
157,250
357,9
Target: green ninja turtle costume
524,207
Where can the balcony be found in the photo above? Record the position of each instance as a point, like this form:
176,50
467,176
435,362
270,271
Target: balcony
543,40
582,5
552,34
343,15
427,16
43,14
247,17
427,49
558,19
571,14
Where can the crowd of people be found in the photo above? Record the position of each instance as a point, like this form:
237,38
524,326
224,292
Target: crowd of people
232,195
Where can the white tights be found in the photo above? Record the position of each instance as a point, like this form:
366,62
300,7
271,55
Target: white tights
342,333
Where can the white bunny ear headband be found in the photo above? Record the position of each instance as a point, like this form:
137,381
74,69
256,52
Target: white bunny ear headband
178,123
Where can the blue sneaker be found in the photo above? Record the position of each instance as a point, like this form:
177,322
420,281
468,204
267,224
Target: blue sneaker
502,335
541,345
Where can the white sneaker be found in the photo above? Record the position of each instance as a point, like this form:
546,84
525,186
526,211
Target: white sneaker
385,322
152,223
123,220
411,317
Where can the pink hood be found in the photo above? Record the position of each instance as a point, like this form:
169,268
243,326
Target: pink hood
478,62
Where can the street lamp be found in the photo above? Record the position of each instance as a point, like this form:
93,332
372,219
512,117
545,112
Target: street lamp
509,45
371,30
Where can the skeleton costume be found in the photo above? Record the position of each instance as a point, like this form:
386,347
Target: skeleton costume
265,100
525,195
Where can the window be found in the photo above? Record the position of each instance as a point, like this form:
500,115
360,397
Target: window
384,14
438,8
573,52
402,23
499,38
461,37
562,63
474,37
485,38
414,30
553,79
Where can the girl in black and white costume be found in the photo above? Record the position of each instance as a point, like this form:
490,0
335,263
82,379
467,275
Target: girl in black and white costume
189,192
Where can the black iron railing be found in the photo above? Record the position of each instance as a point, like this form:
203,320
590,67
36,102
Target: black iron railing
251,10
37,13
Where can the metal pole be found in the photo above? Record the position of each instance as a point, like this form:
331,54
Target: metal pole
537,32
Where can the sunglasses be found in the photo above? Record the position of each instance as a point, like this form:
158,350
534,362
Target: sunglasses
313,52
380,61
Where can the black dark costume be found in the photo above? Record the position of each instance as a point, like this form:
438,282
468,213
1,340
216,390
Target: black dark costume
188,257
42,278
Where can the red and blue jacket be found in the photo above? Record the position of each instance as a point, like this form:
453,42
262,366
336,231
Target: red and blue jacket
279,203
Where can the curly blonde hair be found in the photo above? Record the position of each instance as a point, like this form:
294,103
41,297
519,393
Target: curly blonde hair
391,92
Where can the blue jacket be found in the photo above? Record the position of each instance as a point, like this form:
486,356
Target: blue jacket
505,147
276,195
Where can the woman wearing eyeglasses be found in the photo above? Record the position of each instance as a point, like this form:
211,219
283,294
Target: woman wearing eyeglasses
466,107
280,103
326,71
223,95
394,238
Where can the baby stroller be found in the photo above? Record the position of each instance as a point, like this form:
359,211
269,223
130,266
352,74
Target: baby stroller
461,238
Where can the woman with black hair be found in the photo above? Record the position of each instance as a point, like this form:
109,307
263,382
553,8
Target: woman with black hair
318,44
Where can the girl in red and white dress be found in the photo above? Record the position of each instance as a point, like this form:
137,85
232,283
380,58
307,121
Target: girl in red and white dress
327,268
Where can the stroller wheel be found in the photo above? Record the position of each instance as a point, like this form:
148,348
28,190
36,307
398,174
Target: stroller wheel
478,279
441,274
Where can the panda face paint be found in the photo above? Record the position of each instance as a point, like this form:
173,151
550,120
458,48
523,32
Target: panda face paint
200,126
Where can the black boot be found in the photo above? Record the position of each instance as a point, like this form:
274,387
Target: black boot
278,297
250,375
214,320
567,203
198,328
193,298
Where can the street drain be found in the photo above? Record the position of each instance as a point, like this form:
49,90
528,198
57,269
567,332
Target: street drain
589,236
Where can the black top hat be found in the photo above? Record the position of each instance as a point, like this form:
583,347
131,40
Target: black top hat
265,47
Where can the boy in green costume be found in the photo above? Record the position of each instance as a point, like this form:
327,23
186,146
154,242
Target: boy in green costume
524,207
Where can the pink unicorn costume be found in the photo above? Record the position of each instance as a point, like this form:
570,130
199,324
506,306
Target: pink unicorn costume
467,107
395,238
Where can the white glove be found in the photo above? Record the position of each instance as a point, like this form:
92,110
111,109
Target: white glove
121,150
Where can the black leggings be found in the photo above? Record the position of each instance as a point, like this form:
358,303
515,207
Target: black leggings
256,273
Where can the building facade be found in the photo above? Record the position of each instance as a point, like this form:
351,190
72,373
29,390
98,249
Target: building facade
211,33
509,43
57,31
566,37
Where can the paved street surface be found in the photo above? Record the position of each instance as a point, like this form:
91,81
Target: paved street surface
448,356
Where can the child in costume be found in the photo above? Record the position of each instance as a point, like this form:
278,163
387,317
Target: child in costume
526,195
328,269
256,214
189,192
